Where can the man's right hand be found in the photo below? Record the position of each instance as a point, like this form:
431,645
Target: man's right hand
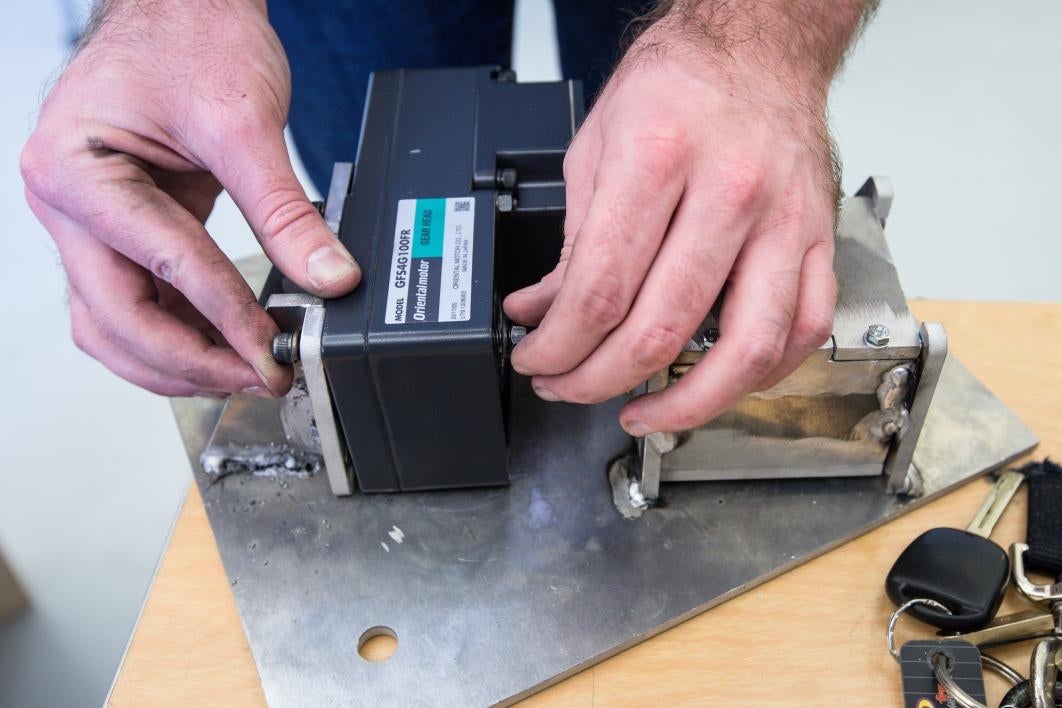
164,105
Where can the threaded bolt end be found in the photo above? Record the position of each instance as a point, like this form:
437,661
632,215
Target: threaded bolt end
286,347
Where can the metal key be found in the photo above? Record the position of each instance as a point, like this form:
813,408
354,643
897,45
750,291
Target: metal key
1008,629
962,570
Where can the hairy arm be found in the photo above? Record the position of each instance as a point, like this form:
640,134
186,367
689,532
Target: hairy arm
804,40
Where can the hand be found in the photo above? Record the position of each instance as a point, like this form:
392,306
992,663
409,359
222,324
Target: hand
692,171
163,106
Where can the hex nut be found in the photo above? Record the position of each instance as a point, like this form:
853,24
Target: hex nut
877,336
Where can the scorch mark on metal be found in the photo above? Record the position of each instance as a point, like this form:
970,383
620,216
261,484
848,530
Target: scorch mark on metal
269,460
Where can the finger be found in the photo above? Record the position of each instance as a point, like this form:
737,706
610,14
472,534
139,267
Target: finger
257,173
756,319
580,166
529,305
816,302
635,194
195,190
120,362
122,300
693,264
173,301
149,228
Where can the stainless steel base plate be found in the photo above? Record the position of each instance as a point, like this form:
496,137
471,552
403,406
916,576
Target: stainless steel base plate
496,593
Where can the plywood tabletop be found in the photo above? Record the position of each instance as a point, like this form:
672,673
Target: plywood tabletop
812,636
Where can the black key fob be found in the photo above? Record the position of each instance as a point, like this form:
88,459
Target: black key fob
965,572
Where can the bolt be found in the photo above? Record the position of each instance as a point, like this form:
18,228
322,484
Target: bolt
709,337
637,497
913,486
877,336
517,333
506,179
505,202
286,347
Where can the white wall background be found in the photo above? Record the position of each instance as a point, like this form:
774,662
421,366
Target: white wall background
958,102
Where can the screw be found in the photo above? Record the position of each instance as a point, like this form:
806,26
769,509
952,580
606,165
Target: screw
286,347
517,333
505,202
877,336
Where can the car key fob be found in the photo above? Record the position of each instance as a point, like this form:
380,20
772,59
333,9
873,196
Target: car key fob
963,571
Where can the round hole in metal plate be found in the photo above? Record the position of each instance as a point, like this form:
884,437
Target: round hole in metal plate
377,643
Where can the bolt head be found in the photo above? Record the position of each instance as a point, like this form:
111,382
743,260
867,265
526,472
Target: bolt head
877,336
504,202
517,333
506,178
286,347
709,337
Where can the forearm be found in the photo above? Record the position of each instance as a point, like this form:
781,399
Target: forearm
797,40
118,16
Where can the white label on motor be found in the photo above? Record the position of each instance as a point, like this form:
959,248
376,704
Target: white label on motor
431,263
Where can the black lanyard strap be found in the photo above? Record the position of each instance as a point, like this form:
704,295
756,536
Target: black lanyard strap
1044,530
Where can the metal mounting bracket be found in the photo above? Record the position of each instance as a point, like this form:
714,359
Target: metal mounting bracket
880,191
305,314
900,472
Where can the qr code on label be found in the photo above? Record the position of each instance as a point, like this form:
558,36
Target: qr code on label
462,205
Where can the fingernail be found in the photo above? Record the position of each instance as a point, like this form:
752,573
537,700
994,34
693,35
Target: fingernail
637,428
328,264
545,394
258,391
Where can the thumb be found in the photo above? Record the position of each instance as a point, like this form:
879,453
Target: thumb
259,176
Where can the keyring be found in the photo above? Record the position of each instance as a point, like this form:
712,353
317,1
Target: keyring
955,691
993,664
890,632
990,662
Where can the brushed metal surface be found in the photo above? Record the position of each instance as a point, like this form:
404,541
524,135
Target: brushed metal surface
823,419
496,593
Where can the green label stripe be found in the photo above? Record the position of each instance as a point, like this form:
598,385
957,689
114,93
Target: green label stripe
428,228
